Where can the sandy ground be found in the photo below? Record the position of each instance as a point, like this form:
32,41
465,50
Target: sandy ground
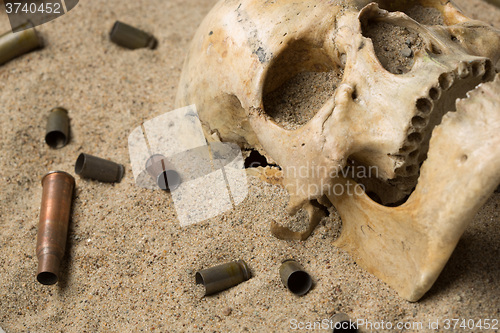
129,266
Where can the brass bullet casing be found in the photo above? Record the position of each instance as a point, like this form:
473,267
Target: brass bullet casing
130,37
53,226
295,278
88,166
223,276
57,133
163,172
15,44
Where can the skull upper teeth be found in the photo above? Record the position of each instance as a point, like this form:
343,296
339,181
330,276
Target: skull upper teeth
412,153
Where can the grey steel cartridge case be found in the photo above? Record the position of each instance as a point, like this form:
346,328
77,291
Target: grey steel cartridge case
15,44
88,166
163,172
131,37
57,133
53,225
223,276
295,278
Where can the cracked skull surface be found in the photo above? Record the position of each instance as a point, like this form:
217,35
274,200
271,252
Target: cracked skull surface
388,75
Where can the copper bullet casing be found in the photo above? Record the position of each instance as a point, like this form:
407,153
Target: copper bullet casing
53,225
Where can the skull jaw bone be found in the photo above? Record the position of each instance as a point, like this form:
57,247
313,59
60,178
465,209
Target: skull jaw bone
408,246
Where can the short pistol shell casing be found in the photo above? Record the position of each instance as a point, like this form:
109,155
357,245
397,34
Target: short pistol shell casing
163,172
15,44
222,277
88,166
130,37
57,133
295,278
55,213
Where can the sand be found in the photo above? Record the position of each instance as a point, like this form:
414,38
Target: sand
129,266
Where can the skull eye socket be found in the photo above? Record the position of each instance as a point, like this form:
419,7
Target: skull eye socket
396,45
415,10
299,81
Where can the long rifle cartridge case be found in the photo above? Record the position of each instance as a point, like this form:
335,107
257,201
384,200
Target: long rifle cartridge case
15,44
55,212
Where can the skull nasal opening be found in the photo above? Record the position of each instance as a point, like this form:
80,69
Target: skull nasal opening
299,81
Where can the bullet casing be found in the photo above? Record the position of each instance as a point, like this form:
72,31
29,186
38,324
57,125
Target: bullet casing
295,278
15,44
57,133
163,172
88,166
55,212
131,37
222,277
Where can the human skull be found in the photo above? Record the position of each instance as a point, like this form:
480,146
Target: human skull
381,112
